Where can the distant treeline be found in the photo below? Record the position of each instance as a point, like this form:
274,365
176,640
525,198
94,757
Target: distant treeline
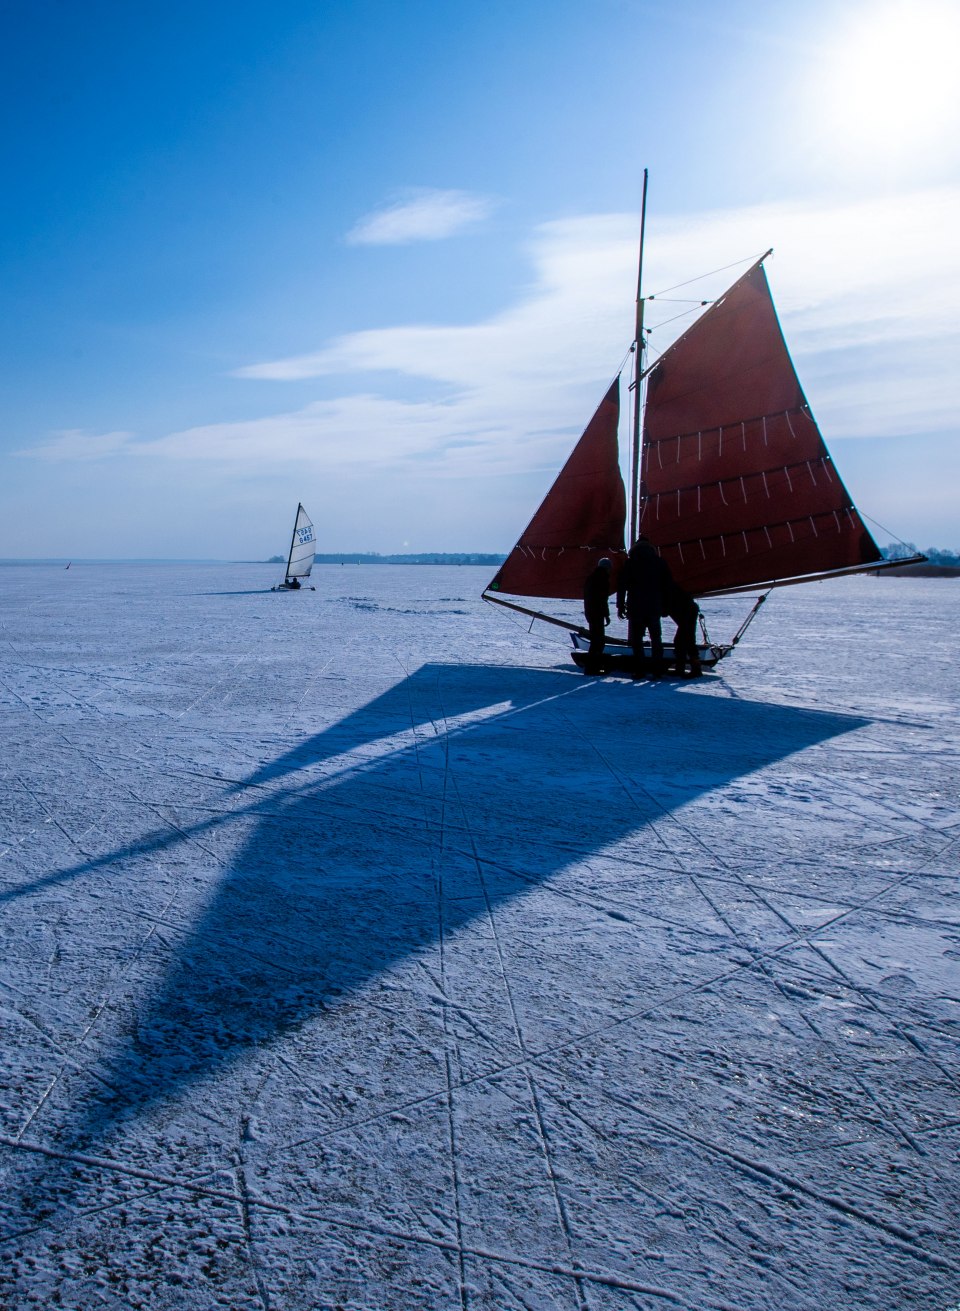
427,557
937,559
938,564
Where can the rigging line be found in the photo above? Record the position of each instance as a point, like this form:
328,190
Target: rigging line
679,300
885,530
548,636
652,351
677,285
682,315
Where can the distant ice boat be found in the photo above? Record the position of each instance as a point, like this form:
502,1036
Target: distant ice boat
730,478
303,547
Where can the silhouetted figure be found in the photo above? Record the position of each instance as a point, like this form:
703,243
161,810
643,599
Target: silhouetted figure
684,611
640,596
293,584
596,609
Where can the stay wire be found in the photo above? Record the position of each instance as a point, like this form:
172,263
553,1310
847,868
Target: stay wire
750,259
888,531
682,315
520,624
696,304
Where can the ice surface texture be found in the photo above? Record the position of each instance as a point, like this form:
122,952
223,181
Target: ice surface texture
358,952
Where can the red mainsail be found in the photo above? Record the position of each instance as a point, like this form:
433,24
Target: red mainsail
581,518
737,486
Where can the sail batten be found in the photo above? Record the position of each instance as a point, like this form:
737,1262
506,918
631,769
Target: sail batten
738,486
737,490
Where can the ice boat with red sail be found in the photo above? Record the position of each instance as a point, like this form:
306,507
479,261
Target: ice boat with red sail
730,477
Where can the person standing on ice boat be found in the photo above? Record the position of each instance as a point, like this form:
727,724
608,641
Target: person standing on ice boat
640,596
684,611
596,609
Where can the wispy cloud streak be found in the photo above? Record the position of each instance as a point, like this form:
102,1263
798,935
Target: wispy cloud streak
75,444
864,291
420,215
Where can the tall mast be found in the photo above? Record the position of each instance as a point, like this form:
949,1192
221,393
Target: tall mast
637,380
293,538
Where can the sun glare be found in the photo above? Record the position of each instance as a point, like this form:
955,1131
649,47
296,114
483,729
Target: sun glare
891,85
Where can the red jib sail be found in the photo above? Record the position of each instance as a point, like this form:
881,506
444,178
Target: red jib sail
738,488
581,518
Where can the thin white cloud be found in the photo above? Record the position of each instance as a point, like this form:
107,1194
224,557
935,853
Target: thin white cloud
421,214
864,293
867,283
575,315
75,444
877,271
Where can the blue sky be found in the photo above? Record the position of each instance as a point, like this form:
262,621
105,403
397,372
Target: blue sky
380,257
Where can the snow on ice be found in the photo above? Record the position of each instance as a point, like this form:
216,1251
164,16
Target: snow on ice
359,953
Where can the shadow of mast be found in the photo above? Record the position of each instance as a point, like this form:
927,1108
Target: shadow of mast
453,769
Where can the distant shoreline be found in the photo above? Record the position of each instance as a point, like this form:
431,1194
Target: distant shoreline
344,558
424,557
439,558
918,571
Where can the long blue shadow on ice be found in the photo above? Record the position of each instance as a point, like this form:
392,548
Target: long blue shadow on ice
355,829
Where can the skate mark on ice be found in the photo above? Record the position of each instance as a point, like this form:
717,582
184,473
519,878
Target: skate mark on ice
208,691
911,1241
246,1203
72,1062
533,1092
304,1216
338,912
666,1205
449,1039
892,1118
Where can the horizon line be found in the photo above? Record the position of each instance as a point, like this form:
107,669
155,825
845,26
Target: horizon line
326,557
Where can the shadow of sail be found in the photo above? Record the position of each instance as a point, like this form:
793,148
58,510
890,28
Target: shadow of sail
452,795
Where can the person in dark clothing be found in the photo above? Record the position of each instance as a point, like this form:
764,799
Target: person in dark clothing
684,611
596,609
293,584
640,596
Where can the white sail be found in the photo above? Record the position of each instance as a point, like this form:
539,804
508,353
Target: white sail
303,546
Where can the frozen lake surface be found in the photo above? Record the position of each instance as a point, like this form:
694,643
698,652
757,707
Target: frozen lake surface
358,952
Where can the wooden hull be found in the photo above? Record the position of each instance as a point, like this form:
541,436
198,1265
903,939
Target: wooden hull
618,658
